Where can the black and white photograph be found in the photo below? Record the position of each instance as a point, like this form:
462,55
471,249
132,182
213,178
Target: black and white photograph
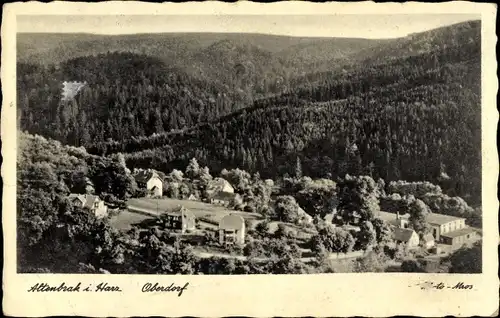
163,147
175,149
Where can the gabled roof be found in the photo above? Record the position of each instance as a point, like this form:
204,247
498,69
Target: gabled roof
403,235
87,200
143,176
440,219
304,214
232,222
428,237
218,184
78,196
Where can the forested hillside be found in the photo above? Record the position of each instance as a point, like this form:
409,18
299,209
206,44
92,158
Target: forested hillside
127,95
152,83
408,119
407,110
253,63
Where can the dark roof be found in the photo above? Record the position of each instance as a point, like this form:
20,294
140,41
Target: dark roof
226,196
219,182
143,176
440,219
87,200
79,196
403,235
461,232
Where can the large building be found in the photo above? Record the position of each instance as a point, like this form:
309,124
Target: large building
442,224
91,202
445,229
150,181
232,230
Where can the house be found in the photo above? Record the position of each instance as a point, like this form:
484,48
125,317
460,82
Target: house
428,241
222,198
91,202
150,181
408,237
192,197
180,218
232,230
219,185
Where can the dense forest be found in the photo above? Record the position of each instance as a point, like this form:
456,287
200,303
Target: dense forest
406,115
209,56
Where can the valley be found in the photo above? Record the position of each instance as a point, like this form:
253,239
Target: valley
311,137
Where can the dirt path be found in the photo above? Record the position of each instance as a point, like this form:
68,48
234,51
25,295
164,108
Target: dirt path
332,256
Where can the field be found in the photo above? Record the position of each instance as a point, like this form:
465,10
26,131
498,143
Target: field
144,208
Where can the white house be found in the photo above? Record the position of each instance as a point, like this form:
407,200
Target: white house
91,202
149,180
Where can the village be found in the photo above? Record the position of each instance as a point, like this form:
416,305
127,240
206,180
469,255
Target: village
214,228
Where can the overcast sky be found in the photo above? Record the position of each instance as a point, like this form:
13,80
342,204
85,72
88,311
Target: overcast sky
363,26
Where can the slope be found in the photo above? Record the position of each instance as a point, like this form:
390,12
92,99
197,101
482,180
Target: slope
397,120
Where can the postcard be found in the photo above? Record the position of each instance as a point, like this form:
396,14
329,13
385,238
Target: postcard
215,159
